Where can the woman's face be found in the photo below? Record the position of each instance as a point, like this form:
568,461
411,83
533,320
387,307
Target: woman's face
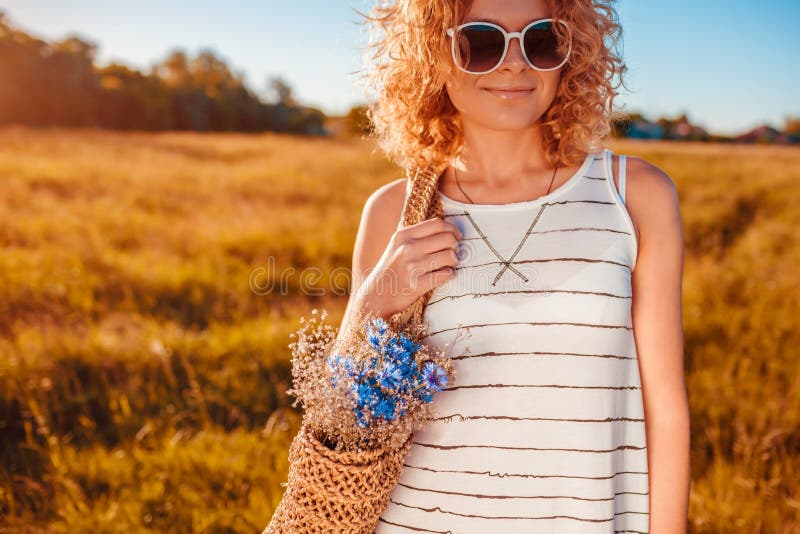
472,94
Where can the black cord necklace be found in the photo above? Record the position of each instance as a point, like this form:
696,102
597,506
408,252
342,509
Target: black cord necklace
506,262
455,171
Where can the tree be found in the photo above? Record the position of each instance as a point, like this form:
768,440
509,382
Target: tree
69,68
58,83
792,126
281,91
357,121
174,70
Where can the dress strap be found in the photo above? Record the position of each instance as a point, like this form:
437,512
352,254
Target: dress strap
608,156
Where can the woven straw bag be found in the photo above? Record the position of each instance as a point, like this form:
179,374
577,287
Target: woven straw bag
346,491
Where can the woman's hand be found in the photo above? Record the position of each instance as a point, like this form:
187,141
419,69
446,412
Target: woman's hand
417,259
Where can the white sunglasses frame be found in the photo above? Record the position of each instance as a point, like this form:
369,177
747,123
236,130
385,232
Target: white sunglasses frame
508,36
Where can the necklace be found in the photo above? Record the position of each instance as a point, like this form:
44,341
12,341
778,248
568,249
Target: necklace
455,172
507,263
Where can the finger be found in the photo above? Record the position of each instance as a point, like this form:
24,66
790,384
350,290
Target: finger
434,279
436,242
436,260
428,227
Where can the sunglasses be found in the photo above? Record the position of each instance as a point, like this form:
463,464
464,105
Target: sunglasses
480,47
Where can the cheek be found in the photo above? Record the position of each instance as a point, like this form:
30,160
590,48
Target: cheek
465,94
465,99
550,82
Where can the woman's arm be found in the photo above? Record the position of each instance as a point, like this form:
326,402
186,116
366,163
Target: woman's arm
652,200
379,220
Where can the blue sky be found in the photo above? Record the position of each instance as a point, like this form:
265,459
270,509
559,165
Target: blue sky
729,64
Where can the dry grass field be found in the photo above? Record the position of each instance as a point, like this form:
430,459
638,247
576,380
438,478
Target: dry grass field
149,283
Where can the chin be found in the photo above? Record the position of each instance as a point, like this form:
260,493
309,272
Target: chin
509,120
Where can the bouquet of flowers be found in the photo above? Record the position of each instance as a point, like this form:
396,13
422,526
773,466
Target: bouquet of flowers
363,393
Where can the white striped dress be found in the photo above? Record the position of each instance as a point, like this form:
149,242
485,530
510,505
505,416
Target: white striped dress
543,431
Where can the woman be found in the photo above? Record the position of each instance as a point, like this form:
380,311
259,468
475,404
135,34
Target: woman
562,260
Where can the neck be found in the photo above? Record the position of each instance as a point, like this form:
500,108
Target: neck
502,158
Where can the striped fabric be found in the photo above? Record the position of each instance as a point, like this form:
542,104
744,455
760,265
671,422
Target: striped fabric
544,430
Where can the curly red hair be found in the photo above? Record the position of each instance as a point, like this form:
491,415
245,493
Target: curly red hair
413,118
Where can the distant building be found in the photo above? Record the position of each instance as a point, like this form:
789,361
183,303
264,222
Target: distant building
768,135
682,130
644,129
679,129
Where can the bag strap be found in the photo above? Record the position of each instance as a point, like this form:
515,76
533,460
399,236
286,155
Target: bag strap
421,203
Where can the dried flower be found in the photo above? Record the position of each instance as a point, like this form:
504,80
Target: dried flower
369,387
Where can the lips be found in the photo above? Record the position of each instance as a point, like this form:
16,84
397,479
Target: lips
510,92
511,88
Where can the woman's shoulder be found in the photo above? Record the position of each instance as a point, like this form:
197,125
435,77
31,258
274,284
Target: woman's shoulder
384,206
651,195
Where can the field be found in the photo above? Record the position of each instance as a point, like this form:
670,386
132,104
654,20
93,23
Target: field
149,283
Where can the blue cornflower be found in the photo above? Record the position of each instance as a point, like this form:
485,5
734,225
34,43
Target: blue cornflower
367,393
409,375
389,375
374,338
425,395
342,362
376,332
362,373
385,408
434,377
380,325
395,350
392,370
409,345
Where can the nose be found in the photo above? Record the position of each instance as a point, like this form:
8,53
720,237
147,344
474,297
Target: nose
515,57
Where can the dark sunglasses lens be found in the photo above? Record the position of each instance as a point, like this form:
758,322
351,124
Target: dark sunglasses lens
479,48
541,45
